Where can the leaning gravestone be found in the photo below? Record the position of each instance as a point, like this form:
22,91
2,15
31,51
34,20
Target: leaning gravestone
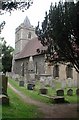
60,92
70,92
77,91
4,99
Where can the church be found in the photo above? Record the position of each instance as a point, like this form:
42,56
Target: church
27,45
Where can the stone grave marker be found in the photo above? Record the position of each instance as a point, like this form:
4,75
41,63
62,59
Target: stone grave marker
42,83
21,83
70,92
4,99
77,91
63,84
43,91
69,82
75,83
53,84
60,92
3,84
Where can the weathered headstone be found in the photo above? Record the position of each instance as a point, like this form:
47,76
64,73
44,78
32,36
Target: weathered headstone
70,92
42,83
4,99
30,86
77,91
3,84
21,83
53,85
70,82
45,80
60,92
63,84
43,91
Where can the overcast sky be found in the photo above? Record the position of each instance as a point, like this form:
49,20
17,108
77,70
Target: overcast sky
35,13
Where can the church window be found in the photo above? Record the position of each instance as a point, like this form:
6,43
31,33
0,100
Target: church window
69,71
56,71
29,35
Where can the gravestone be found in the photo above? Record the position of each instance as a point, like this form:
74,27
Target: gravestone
4,99
77,91
70,82
60,92
70,92
53,84
63,84
3,84
43,91
45,79
30,86
21,83
75,83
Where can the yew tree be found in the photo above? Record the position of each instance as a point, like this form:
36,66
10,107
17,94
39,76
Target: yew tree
10,5
60,33
6,55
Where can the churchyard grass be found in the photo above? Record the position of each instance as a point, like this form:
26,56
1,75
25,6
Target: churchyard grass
0,112
32,94
19,109
51,92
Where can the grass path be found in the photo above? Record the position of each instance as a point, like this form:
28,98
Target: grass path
18,108
50,111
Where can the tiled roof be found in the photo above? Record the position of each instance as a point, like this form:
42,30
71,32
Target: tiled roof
30,48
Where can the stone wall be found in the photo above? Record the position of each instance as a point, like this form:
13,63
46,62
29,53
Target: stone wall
38,64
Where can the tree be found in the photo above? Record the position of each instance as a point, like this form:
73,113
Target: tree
60,33
9,5
6,55
2,26
0,57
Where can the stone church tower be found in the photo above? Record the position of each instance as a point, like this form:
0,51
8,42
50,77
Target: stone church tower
23,33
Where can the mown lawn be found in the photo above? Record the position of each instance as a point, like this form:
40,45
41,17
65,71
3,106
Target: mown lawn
34,94
19,109
51,92
0,112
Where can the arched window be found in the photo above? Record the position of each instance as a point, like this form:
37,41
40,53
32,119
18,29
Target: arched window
56,71
29,35
69,71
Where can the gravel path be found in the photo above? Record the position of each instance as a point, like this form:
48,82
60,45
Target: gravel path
53,110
